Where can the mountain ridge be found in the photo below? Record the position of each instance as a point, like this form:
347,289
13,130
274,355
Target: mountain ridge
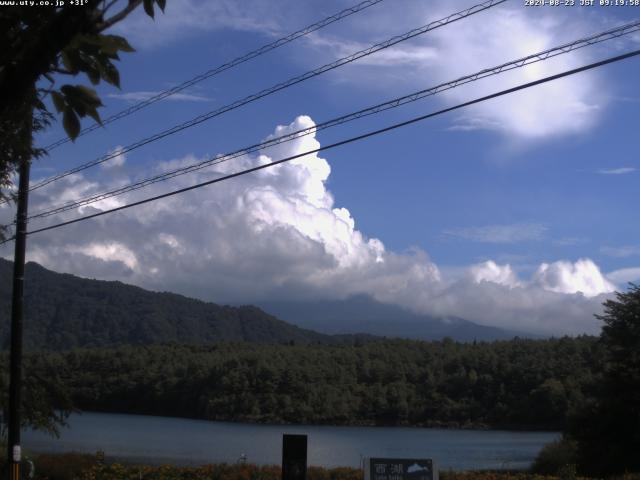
103,313
362,313
109,313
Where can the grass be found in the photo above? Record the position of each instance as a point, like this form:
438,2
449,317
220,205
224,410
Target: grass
76,466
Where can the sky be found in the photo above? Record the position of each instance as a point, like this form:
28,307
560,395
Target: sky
518,212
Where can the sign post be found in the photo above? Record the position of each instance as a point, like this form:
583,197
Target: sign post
400,469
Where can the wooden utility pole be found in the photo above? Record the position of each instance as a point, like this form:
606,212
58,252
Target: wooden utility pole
14,453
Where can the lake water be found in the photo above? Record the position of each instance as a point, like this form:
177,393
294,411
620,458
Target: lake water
195,442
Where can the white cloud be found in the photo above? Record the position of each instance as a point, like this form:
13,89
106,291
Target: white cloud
508,32
191,17
514,233
470,123
108,252
397,56
616,171
583,276
570,241
117,161
278,233
621,251
133,97
503,33
490,271
565,106
624,275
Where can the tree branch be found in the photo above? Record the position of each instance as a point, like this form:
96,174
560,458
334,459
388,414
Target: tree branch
121,15
62,71
107,6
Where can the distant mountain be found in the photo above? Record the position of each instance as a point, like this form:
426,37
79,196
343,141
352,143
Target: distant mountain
361,313
63,311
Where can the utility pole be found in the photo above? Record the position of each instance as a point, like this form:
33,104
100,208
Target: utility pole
14,453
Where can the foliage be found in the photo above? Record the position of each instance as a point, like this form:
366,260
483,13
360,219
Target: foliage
391,382
46,403
42,45
556,457
608,427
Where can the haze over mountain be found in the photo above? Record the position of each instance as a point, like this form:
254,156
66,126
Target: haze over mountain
361,313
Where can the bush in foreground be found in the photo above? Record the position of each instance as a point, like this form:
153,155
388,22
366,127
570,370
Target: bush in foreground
209,472
556,458
272,472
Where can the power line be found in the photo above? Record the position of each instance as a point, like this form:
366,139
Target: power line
521,62
349,140
280,86
221,68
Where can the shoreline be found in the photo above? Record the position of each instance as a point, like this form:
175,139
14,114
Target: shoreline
435,425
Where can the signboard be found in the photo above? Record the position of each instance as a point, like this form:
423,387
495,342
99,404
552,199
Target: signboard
400,469
294,457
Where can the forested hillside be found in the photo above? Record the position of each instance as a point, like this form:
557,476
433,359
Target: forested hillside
529,384
63,311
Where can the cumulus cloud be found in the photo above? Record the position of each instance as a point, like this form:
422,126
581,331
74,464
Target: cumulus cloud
583,276
116,161
489,271
624,275
278,233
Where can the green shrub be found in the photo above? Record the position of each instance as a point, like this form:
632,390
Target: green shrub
557,458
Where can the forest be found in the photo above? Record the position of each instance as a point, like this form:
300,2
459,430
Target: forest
521,384
64,312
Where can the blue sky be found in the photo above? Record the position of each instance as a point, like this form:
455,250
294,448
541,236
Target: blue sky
503,213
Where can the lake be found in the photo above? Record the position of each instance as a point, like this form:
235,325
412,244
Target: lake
194,442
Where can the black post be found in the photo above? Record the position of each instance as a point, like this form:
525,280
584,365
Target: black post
15,385
294,457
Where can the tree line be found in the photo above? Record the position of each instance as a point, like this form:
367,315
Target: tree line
522,384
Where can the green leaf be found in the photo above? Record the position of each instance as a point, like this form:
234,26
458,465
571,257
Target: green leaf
93,74
58,101
93,113
148,7
68,61
116,42
88,95
71,123
110,73
68,90
94,39
161,4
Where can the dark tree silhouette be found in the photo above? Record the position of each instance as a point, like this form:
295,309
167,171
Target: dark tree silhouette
608,431
41,45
